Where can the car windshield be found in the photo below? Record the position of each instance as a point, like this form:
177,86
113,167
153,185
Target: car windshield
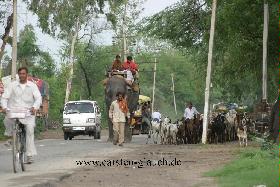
79,107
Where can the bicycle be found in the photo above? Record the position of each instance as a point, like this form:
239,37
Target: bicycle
19,139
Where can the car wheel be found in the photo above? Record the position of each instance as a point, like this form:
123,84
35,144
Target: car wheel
70,138
66,136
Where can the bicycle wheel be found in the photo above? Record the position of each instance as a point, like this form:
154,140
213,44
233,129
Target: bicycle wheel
16,145
22,148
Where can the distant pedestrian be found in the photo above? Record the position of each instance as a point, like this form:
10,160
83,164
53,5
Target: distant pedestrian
190,112
118,114
156,116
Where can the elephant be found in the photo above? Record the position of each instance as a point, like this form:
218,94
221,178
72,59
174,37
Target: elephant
116,84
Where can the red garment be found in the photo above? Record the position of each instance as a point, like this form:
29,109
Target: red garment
37,81
132,66
123,106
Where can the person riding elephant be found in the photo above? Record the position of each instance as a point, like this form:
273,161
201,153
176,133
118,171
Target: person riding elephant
117,64
129,64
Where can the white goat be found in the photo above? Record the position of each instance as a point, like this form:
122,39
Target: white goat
155,131
242,133
163,130
172,130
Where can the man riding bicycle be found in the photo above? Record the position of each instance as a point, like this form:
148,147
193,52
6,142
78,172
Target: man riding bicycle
22,94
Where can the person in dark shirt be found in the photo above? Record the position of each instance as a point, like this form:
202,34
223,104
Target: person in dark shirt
117,64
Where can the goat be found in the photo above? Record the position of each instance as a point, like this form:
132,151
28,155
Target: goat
242,133
181,131
155,131
171,133
163,130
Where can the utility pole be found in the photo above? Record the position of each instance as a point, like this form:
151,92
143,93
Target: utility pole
265,36
208,77
173,89
154,85
14,44
124,33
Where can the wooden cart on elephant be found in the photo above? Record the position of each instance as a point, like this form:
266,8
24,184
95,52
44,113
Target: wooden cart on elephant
140,120
43,87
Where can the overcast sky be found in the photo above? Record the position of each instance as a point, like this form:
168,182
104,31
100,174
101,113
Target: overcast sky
52,45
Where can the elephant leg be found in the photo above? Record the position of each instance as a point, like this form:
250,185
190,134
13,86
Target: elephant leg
111,133
127,133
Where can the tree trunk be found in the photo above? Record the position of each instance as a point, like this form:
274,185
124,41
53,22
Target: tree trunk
87,80
69,80
5,37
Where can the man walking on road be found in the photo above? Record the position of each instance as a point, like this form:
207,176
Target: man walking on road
22,94
118,114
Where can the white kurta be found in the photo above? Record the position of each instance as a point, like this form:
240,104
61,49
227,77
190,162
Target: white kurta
116,114
19,96
189,113
156,115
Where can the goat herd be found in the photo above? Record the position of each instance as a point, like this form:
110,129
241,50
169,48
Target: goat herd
223,126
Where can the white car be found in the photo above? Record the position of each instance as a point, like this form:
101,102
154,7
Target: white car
81,118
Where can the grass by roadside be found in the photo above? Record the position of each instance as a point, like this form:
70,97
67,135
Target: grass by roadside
252,167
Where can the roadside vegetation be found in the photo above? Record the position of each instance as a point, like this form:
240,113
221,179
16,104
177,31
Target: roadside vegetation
252,167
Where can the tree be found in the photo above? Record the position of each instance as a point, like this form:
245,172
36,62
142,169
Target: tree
238,43
125,26
5,9
66,19
28,50
39,62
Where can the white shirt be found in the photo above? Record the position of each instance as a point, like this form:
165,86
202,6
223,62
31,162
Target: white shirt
22,86
156,115
129,76
16,96
189,113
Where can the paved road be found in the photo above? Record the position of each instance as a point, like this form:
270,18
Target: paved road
57,158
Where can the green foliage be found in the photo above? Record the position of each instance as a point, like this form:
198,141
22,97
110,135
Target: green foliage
91,63
39,127
253,167
59,18
130,11
237,59
2,128
187,87
27,47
